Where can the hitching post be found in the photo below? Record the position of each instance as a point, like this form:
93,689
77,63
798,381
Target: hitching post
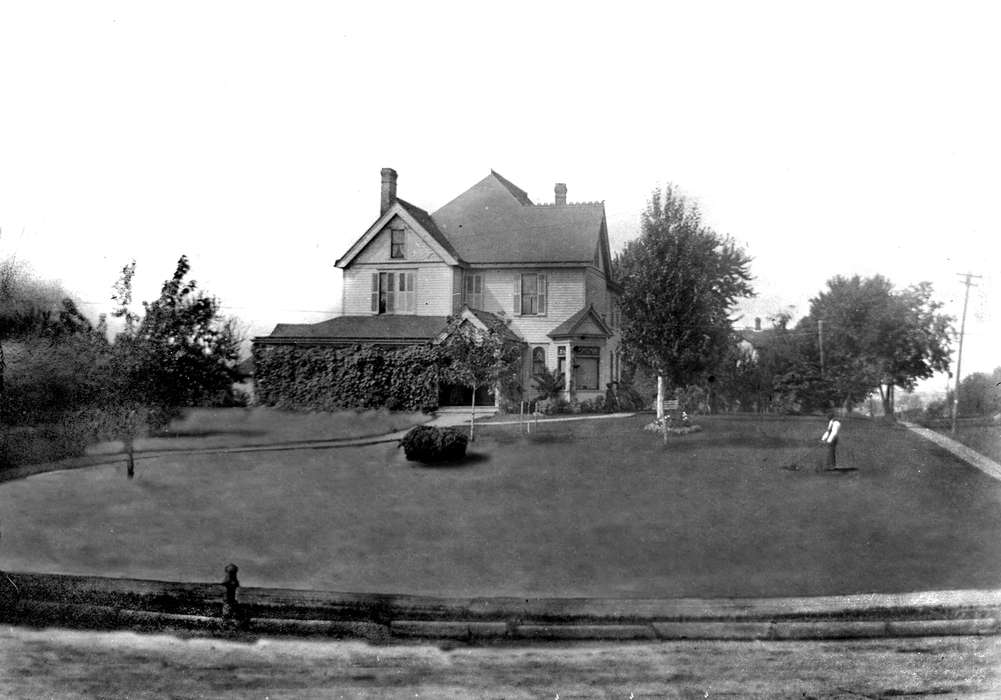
230,608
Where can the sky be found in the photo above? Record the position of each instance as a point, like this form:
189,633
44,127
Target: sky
827,138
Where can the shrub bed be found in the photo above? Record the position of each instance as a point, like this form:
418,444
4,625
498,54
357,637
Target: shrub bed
426,443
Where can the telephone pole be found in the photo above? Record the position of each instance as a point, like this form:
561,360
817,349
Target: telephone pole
959,359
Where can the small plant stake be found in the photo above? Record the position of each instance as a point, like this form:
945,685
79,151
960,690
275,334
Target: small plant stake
230,607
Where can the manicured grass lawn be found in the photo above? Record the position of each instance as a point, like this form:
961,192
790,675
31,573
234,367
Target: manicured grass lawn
977,434
590,508
236,427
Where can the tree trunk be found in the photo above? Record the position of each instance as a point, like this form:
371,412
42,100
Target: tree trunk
886,397
472,416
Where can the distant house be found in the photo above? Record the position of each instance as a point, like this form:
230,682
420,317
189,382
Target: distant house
490,253
756,339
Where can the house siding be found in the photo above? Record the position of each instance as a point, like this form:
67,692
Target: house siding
564,298
433,287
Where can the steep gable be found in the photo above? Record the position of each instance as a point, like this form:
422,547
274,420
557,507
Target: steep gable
422,234
586,323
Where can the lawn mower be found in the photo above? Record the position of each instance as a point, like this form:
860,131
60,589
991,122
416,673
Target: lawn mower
796,465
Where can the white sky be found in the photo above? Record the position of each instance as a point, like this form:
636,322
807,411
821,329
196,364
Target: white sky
834,138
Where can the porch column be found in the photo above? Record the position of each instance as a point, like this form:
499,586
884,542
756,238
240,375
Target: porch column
568,373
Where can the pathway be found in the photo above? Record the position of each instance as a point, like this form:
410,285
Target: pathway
985,464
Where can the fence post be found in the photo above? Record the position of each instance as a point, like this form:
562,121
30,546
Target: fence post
230,607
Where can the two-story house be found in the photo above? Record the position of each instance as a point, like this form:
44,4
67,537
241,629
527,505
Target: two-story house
544,269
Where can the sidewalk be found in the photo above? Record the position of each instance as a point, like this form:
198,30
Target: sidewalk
89,602
972,457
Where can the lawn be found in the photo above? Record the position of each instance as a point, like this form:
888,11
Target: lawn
590,508
199,428
978,434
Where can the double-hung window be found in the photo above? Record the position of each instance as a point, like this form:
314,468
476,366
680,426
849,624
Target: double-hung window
473,291
397,239
393,293
530,294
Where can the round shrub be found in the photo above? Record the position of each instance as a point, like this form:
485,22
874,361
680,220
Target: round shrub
426,443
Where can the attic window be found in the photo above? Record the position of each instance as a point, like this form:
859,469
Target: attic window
396,243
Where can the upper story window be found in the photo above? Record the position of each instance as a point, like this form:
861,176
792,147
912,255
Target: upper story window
473,291
393,293
530,294
396,241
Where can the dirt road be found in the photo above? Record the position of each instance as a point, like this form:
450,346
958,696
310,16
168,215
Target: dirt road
67,664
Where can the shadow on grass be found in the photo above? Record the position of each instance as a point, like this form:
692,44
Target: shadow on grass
702,441
201,433
471,459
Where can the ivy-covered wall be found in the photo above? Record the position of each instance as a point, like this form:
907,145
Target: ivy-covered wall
326,378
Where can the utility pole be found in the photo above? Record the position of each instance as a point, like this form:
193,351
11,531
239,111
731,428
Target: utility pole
820,342
959,359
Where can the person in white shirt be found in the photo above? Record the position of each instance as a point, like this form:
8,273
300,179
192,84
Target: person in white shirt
830,437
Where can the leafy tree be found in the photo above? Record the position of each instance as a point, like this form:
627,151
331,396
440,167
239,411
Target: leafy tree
680,281
875,337
181,351
476,357
980,394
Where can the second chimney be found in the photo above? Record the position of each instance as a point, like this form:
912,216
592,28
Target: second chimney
388,190
561,194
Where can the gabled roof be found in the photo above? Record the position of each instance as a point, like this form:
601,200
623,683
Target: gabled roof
495,222
483,320
515,191
359,329
759,339
490,320
428,224
418,219
583,323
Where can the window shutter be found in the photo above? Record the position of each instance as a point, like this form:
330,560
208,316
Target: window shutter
411,294
390,292
517,295
375,292
542,293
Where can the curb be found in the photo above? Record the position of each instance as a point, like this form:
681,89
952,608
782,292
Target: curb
155,606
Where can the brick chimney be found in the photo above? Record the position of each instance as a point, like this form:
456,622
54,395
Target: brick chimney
757,324
561,194
388,190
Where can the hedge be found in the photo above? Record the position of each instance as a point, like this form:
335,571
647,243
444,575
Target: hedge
326,378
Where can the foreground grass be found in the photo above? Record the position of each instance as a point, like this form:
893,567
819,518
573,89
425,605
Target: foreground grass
978,435
590,508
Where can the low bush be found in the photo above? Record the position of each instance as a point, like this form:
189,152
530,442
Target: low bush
426,443
551,407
